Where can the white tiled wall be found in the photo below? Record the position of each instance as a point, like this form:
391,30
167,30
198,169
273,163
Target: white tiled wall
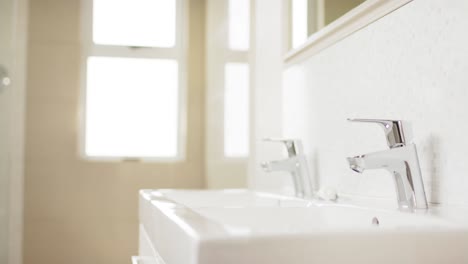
412,65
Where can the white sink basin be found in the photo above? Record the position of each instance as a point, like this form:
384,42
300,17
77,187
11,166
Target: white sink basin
328,218
223,227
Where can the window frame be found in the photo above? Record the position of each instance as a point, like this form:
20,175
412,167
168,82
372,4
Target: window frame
178,53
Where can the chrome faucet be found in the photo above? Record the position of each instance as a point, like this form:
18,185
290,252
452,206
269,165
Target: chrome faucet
401,160
295,164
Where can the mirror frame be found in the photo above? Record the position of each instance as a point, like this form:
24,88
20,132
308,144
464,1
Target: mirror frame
356,19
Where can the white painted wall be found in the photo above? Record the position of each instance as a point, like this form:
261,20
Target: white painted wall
266,96
411,64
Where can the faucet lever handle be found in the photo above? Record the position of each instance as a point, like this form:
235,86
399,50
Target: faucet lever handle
293,146
397,132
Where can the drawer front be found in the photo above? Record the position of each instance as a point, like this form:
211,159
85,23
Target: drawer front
146,250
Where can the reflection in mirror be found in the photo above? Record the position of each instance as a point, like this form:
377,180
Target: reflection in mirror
310,16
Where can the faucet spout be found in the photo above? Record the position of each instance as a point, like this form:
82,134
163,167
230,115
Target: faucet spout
288,165
356,163
297,168
403,164
295,165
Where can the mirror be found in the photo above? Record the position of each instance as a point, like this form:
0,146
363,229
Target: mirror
314,25
309,16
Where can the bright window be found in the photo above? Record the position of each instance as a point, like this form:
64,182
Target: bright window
239,24
236,110
150,23
133,79
237,80
134,115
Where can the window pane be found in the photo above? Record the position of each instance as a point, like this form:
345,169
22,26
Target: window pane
150,23
236,110
131,107
299,22
239,24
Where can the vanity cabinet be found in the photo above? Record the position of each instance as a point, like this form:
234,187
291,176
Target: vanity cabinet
146,252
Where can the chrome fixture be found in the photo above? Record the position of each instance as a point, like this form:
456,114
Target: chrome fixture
295,164
401,160
4,79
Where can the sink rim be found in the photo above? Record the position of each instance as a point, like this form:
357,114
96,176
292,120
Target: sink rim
202,228
202,241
